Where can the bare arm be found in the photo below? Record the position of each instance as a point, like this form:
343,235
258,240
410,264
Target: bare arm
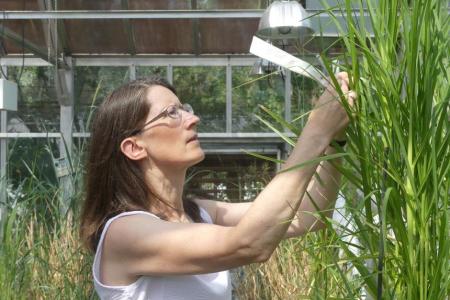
323,191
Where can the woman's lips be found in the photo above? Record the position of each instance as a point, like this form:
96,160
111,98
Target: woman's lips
193,138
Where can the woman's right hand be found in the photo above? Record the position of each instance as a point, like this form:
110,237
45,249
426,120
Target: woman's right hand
329,117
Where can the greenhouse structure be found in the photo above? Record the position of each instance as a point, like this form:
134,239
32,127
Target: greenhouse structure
59,59
60,52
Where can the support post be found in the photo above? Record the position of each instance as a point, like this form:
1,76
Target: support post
132,72
3,167
287,95
64,164
170,74
229,98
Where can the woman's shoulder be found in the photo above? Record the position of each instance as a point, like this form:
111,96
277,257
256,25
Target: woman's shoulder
129,225
130,218
123,235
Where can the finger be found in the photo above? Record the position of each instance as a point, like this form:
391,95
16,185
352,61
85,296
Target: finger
342,76
344,86
342,79
352,98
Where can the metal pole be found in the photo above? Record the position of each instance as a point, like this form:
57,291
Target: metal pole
3,166
132,14
64,164
170,74
229,98
132,72
287,95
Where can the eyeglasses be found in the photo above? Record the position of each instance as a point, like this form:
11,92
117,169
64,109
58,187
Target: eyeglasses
172,111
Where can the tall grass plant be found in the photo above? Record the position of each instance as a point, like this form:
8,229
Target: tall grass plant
397,166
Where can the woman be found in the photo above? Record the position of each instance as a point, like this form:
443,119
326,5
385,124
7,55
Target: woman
149,242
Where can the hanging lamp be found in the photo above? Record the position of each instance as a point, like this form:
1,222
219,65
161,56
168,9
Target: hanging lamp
285,20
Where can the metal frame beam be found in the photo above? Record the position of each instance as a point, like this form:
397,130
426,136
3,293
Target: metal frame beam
27,135
49,29
27,60
148,14
132,14
56,35
196,37
173,60
148,60
219,135
129,29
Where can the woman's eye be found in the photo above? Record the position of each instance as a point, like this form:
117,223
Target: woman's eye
173,111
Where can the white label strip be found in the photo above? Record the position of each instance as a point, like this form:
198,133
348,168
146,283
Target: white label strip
282,58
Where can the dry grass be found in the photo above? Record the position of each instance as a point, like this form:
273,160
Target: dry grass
286,275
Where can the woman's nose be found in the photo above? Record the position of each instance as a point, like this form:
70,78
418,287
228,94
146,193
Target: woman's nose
190,119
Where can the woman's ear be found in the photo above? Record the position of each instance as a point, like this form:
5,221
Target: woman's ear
131,148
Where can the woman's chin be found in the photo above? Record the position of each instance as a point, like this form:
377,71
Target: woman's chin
200,156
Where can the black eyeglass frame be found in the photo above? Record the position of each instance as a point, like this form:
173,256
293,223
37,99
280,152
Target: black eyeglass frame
164,113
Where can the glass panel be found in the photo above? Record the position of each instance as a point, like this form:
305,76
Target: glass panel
227,35
147,71
231,178
38,107
19,5
304,90
204,89
30,30
249,92
97,36
31,157
87,80
163,36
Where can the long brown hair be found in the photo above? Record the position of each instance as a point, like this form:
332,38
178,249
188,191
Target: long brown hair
113,182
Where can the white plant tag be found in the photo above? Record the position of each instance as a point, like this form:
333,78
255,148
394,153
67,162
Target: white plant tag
277,56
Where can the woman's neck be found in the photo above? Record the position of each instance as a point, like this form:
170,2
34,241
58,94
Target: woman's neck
167,185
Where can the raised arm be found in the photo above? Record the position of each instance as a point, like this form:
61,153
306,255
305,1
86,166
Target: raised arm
320,197
321,192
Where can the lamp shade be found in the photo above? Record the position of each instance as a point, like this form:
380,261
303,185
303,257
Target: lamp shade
258,67
285,20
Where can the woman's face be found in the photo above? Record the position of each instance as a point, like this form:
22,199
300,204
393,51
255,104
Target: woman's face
170,141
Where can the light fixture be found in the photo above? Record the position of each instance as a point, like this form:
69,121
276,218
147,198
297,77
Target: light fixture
285,20
263,67
258,67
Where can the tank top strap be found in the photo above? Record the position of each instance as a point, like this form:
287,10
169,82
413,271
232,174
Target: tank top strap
205,215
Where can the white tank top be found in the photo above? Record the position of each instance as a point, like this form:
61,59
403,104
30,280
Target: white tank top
209,286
